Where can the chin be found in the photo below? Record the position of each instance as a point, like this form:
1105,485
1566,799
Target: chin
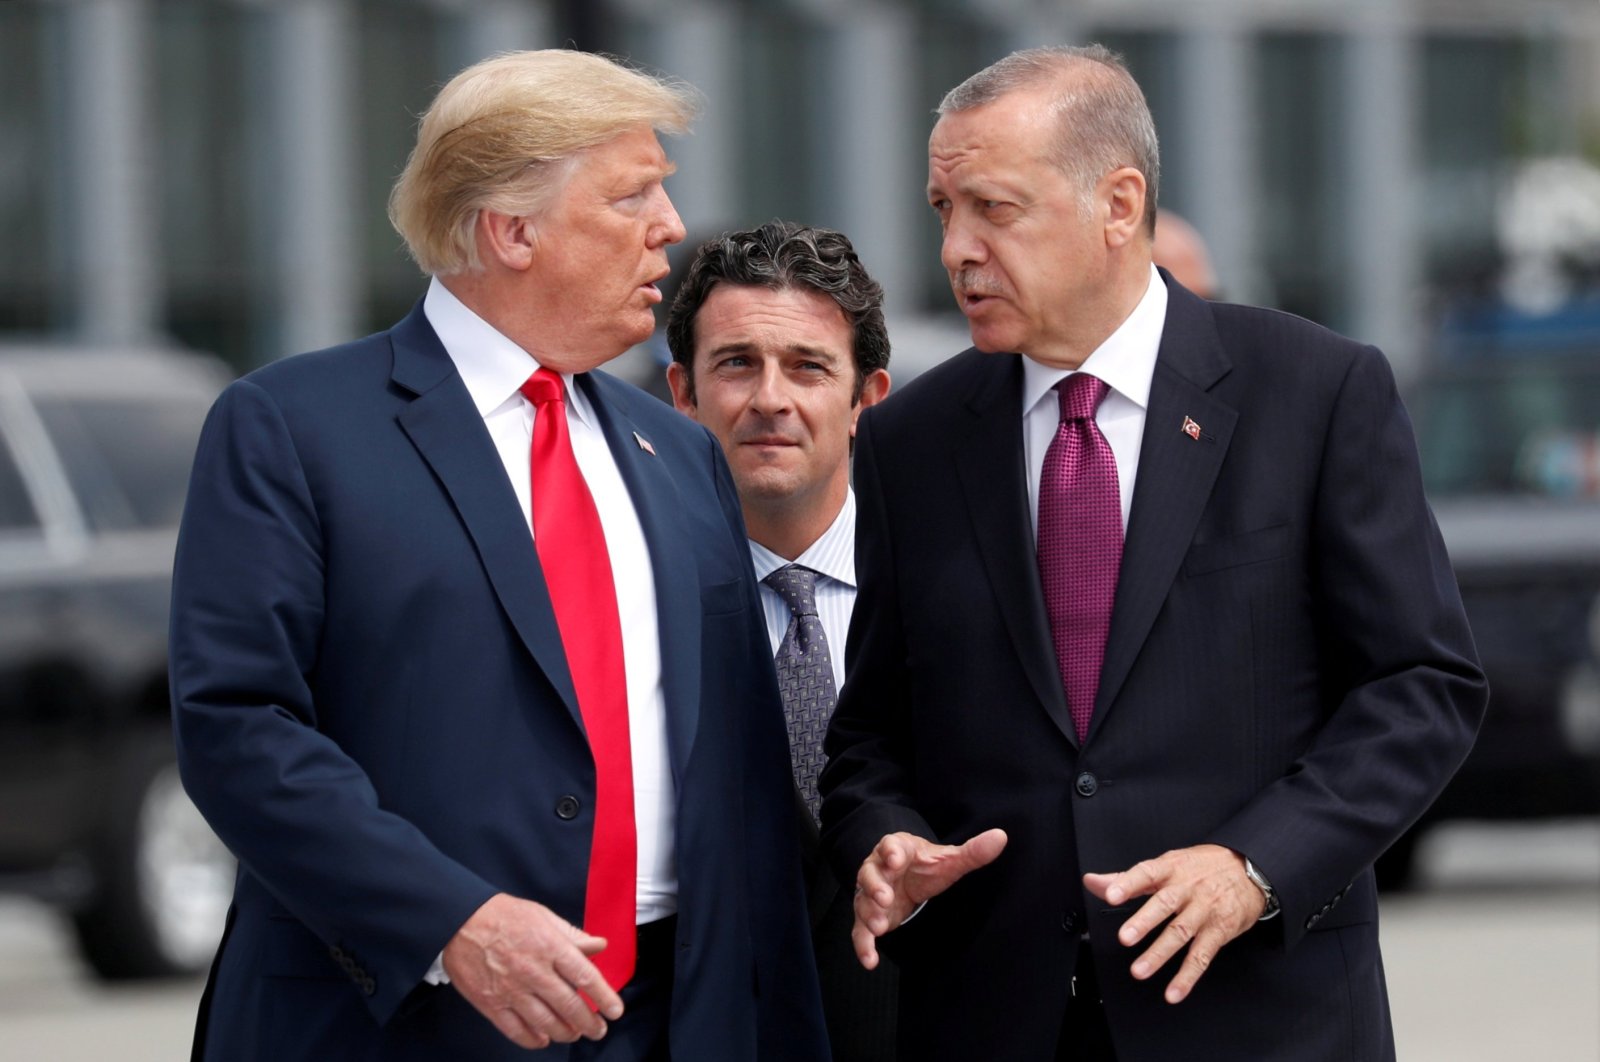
993,340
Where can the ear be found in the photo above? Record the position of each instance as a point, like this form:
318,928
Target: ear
874,389
682,398
508,239
1122,190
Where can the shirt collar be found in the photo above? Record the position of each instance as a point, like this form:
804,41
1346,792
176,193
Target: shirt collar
493,367
833,554
1126,360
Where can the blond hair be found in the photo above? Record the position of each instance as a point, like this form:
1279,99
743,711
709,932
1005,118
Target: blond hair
503,135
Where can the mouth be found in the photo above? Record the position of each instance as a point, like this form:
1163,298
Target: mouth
971,302
652,287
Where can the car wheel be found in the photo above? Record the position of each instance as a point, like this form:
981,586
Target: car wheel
162,879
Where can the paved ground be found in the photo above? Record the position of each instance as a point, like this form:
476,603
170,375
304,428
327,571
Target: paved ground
1496,958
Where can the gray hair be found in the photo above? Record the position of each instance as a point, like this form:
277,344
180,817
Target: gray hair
1104,121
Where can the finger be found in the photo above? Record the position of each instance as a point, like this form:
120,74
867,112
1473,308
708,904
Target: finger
981,850
583,976
587,942
513,1028
1201,954
1171,940
895,851
544,1022
866,945
1139,880
878,919
572,1010
1154,911
1097,884
873,884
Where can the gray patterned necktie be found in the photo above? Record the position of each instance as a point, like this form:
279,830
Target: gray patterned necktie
805,677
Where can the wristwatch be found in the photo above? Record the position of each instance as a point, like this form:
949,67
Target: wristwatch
1259,880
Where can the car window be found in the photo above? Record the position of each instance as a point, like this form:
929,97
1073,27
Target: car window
1520,429
16,504
128,461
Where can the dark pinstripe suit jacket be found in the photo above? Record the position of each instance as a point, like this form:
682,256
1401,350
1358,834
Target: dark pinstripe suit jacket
1289,673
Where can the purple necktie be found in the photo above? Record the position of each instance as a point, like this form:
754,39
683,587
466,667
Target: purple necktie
1080,542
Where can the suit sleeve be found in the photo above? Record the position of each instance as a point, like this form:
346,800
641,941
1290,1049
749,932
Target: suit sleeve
298,812
1401,666
867,786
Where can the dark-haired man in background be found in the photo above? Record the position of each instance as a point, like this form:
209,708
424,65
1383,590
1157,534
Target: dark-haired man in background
778,344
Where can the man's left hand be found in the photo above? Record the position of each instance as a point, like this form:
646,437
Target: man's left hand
1203,896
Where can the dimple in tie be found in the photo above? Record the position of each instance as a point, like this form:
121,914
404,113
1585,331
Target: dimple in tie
1080,543
805,678
571,544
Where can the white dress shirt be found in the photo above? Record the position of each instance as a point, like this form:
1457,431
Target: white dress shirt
494,369
1127,362
833,558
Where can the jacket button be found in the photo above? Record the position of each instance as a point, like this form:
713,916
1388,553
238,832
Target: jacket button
1087,784
567,808
1069,921
368,986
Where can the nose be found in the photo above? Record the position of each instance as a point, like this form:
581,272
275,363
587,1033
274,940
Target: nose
961,246
771,395
669,227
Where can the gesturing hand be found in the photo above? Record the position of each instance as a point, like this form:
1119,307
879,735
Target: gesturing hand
905,870
522,966
1203,896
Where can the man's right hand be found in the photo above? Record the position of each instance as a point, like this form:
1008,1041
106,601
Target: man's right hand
522,966
905,870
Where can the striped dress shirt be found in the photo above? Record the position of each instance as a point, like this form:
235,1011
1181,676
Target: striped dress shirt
833,557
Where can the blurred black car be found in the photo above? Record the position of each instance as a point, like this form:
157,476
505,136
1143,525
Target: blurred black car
1509,434
95,449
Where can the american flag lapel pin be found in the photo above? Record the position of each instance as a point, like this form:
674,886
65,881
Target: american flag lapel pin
644,444
1190,428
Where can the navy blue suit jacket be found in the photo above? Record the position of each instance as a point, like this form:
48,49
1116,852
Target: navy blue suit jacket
1288,673
374,712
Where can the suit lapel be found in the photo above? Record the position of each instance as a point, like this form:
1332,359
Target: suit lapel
660,509
444,426
989,461
1176,473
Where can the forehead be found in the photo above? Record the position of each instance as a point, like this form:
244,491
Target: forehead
1012,133
634,153
771,320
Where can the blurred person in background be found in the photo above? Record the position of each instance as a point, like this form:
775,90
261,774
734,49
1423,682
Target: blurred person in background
1148,589
778,343
492,790
1181,251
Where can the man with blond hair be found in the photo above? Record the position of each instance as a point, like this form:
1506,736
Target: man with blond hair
1157,647
468,662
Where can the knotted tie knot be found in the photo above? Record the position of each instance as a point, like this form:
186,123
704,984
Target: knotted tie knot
543,386
798,588
1080,396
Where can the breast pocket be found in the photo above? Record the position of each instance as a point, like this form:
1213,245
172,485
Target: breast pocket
1251,547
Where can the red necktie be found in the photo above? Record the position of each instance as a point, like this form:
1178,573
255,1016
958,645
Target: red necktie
1080,542
577,569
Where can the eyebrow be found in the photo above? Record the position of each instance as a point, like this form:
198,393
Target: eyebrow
745,346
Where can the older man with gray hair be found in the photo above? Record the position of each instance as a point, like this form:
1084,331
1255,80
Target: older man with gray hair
468,662
1157,645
